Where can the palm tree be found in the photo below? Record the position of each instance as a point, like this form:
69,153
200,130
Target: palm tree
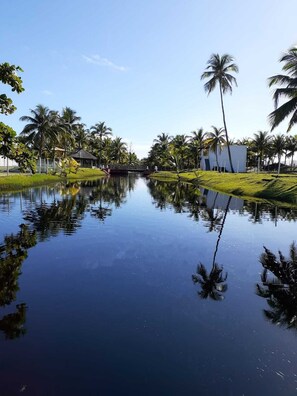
218,70
292,148
260,144
213,284
197,142
161,149
289,90
69,124
215,140
119,149
280,290
278,146
40,128
100,130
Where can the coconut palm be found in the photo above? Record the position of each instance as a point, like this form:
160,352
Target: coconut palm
214,141
213,284
197,143
218,71
100,131
40,128
292,148
260,144
288,91
280,291
69,124
278,146
119,149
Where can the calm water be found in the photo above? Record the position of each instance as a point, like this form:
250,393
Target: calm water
102,292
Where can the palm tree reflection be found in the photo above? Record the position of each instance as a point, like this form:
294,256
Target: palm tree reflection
213,284
12,254
280,290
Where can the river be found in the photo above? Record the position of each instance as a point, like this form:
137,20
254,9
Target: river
127,286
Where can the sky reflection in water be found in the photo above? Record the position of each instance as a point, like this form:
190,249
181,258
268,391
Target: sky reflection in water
128,286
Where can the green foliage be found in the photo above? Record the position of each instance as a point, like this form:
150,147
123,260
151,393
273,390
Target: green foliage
8,75
7,135
25,158
67,166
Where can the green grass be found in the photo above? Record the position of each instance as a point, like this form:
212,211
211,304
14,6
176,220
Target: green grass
17,182
282,188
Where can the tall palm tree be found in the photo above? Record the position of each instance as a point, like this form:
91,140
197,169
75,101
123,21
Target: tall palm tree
40,128
215,140
260,144
101,131
289,91
218,71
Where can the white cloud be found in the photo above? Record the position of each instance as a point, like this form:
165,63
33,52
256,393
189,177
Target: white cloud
46,92
98,60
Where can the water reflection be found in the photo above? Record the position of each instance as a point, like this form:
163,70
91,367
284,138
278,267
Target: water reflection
48,212
208,205
279,287
13,251
213,284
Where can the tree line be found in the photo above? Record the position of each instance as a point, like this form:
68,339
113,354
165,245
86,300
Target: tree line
48,129
184,151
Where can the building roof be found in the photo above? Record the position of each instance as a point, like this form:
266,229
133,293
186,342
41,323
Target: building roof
82,154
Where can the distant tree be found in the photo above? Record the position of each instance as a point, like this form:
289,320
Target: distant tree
196,145
278,146
292,148
100,131
39,128
218,71
8,75
7,136
215,140
119,150
260,144
289,90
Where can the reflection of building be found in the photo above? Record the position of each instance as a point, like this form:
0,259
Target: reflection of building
238,155
215,200
84,158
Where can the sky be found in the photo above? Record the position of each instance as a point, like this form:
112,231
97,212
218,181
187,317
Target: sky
136,64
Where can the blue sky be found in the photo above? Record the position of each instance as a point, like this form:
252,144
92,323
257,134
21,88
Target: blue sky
136,64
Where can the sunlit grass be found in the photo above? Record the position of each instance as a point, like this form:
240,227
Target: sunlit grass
17,182
267,186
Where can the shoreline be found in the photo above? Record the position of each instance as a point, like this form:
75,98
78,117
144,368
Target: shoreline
280,188
18,182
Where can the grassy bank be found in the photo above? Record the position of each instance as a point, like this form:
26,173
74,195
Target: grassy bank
281,188
17,182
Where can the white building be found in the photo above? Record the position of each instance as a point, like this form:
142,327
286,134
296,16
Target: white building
238,156
3,162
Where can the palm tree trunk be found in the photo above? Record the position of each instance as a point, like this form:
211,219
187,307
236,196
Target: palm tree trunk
225,127
7,166
220,233
218,166
279,163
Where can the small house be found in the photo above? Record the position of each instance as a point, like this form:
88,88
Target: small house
84,158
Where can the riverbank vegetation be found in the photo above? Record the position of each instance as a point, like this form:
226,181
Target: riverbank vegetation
17,181
268,186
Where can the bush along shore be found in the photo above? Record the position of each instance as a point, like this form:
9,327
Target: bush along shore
17,182
272,187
